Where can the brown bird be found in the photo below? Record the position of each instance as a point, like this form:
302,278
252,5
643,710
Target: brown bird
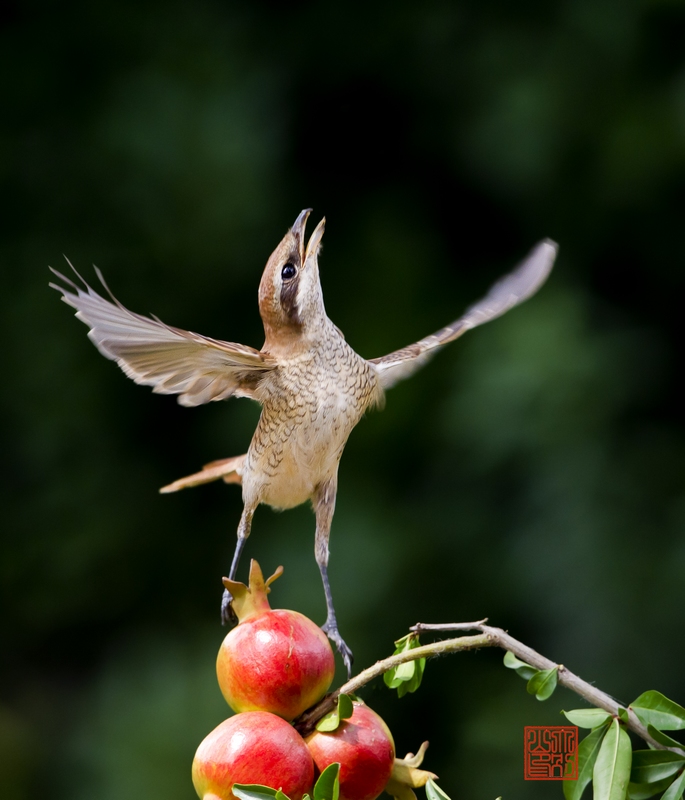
313,387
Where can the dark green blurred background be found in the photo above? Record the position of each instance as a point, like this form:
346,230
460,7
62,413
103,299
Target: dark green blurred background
533,472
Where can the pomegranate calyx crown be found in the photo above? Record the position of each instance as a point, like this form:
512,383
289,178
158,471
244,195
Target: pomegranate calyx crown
406,775
249,601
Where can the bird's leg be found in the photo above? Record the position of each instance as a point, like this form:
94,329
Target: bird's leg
324,506
227,614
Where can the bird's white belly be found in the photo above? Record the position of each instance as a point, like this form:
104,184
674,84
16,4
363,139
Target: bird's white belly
293,484
304,454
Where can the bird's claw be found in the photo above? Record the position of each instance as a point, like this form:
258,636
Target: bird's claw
228,615
330,628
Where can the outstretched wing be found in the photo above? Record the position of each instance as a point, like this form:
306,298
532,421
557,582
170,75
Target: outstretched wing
508,292
171,360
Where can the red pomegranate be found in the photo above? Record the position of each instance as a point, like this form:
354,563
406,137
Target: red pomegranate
255,747
274,660
365,749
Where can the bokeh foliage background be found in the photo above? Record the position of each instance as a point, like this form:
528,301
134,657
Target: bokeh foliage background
532,473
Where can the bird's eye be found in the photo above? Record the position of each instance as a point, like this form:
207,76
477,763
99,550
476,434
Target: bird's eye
288,272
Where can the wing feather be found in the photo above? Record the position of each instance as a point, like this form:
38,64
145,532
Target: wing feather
508,292
171,360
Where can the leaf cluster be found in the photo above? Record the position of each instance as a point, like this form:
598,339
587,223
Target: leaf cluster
541,682
406,677
606,757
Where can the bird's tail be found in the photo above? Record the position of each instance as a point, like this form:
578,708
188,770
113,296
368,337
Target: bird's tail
228,469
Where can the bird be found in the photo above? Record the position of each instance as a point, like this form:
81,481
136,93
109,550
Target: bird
312,386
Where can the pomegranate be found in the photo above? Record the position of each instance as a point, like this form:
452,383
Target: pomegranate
274,660
255,747
364,747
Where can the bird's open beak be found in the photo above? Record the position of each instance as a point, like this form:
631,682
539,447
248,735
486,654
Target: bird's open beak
298,231
315,239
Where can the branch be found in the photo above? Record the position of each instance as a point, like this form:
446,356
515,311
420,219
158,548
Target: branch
489,637
306,722
499,638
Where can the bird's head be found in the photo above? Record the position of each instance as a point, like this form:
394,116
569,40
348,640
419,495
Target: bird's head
290,297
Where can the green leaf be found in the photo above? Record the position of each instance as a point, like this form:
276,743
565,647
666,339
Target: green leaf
404,672
521,668
641,791
587,755
328,785
389,679
612,767
543,683
420,665
413,684
654,765
663,739
587,717
434,792
254,791
677,788
512,662
329,722
345,707
623,715
332,720
654,709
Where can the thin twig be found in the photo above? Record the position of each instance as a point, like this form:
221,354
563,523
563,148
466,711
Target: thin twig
489,637
420,627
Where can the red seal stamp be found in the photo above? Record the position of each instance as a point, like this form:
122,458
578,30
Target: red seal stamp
551,753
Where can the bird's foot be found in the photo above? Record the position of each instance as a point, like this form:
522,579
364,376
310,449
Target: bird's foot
330,628
228,615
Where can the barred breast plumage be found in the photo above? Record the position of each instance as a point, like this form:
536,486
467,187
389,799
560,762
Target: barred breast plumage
310,405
